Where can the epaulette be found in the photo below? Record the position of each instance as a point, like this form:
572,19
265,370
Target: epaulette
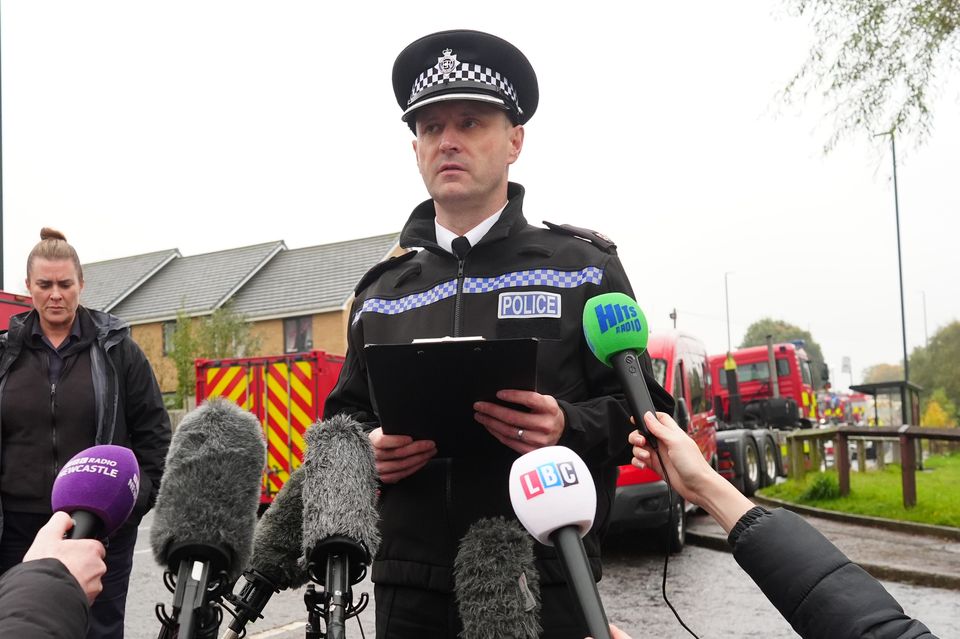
379,268
600,240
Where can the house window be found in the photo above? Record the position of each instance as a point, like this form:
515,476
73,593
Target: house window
168,330
297,334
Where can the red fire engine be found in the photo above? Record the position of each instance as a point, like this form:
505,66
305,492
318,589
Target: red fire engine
757,387
285,392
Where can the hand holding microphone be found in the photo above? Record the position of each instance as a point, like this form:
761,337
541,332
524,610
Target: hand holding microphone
616,331
689,473
82,557
553,496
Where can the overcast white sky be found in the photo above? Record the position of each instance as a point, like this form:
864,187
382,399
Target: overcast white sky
206,125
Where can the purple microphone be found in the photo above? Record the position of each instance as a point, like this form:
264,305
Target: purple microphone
98,488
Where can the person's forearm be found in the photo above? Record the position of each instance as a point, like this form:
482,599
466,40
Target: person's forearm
723,502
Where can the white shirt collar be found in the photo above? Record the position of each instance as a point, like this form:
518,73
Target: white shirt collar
445,237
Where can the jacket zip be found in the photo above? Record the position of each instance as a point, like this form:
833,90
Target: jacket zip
448,463
459,303
53,426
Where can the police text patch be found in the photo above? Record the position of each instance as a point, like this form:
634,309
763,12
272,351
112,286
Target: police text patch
528,304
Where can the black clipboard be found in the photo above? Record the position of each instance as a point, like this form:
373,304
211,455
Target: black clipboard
427,389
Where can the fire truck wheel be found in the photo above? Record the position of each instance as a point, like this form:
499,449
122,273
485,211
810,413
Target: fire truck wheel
751,467
769,462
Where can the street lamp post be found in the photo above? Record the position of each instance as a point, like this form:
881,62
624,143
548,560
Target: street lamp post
926,336
905,392
896,208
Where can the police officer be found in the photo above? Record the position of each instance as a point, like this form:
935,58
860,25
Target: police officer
482,271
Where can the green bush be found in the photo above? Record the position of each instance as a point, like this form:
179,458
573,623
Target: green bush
879,493
822,487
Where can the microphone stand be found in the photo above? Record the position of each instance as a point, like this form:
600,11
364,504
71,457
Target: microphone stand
344,562
196,597
249,604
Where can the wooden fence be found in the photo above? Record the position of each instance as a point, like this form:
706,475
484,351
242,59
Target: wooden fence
908,436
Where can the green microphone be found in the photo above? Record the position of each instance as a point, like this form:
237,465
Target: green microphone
617,332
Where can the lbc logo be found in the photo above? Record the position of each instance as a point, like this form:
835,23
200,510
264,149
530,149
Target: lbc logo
547,476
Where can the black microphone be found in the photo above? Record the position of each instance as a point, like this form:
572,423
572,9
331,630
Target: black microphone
555,498
339,513
277,561
206,512
496,582
616,331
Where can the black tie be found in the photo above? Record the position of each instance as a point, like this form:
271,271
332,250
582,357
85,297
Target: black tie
460,246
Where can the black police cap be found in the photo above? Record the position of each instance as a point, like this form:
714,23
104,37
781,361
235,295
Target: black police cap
465,65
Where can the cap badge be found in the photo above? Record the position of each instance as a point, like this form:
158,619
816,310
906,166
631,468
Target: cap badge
447,63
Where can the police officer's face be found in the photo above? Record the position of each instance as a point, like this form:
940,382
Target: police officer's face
463,150
55,288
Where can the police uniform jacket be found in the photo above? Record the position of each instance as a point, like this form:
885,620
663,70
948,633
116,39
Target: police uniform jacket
111,382
430,294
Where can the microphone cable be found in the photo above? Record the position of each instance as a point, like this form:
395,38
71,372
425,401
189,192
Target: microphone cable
666,552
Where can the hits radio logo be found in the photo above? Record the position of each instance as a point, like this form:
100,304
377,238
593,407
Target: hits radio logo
623,317
547,476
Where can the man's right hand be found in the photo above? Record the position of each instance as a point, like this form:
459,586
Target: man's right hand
399,456
82,557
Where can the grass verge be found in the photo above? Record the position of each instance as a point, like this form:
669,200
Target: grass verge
878,493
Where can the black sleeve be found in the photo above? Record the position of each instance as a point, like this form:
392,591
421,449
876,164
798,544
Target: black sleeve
597,428
351,395
148,423
815,586
41,598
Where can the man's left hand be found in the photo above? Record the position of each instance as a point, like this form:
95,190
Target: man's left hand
519,430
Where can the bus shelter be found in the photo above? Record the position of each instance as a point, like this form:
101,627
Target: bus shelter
907,392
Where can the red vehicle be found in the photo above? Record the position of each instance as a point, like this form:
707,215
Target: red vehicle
749,436
843,407
744,447
793,381
285,392
12,304
642,501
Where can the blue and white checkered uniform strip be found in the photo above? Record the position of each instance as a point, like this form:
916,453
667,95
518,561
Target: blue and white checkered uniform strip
409,302
463,72
534,277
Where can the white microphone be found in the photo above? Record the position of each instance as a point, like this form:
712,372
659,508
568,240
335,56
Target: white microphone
554,497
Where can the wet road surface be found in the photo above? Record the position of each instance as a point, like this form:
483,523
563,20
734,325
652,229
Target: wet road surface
710,592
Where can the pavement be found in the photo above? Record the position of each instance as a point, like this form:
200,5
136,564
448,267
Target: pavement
890,551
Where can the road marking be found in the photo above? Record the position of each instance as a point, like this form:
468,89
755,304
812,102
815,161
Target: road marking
296,625
140,552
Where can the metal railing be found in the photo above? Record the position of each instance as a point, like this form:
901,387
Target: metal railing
908,436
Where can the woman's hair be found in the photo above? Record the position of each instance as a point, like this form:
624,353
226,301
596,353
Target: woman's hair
54,246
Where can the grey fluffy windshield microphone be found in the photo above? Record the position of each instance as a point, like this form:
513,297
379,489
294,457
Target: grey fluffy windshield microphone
496,581
206,511
339,512
277,559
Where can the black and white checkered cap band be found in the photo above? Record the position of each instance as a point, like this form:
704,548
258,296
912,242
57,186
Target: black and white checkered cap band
465,72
